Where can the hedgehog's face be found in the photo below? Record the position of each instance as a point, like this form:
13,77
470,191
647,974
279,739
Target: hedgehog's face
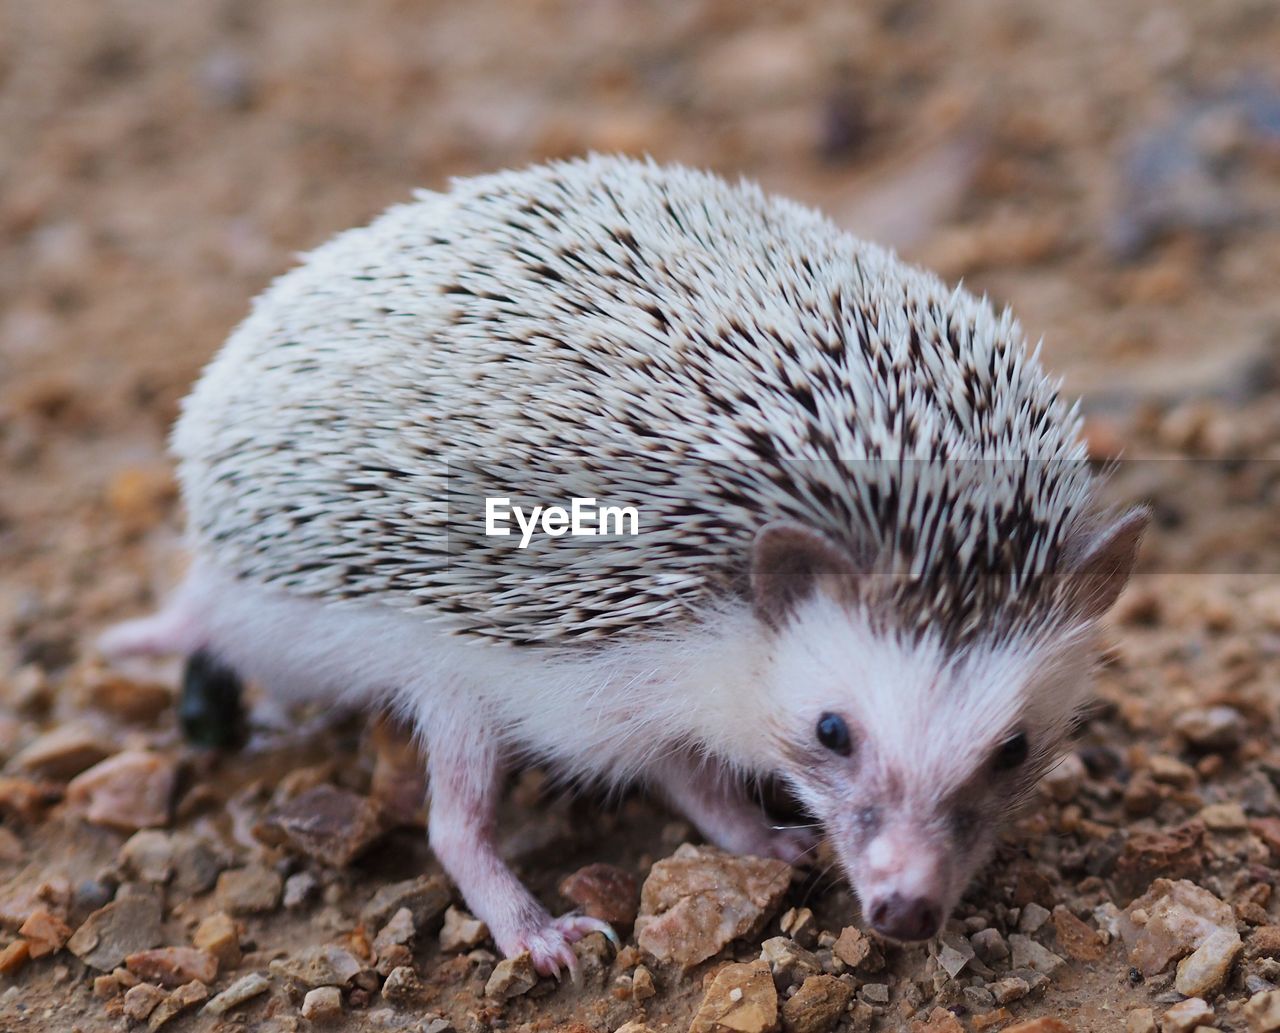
912,755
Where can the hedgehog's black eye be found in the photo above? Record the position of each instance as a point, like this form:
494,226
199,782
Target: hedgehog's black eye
833,733
1011,753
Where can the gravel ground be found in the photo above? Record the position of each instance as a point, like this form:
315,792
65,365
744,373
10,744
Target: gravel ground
1111,170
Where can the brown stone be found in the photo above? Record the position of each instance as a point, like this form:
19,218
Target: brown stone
129,700
141,1000
111,933
426,897
331,825
461,932
45,932
217,934
130,791
740,999
183,998
1044,1025
14,956
173,966
939,1021
512,977
852,947
1265,941
1075,937
604,892
816,1006
61,754
250,890
1150,855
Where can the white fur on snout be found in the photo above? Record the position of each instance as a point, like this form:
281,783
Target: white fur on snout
897,862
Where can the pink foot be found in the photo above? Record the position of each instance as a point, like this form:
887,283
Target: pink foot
549,947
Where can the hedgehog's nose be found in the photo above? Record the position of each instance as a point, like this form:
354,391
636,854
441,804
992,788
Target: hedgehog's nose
906,918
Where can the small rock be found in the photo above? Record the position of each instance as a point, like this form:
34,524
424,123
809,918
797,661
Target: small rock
816,1006
1186,1015
1075,937
978,999
512,977
1262,1012
852,947
299,888
14,956
989,946
1027,953
642,987
1011,988
132,790
788,962
45,932
604,892
196,865
323,1004
939,1021
1065,778
129,700
243,989
1140,1020
324,965
741,999
217,934
142,1000
61,754
433,1024
1265,942
800,925
1204,971
184,997
111,933
1224,817
173,966
954,953
698,900
875,993
1177,917
461,932
1211,729
331,825
1033,918
426,897
1040,1026
148,854
250,890
402,984
392,957
1171,771
398,931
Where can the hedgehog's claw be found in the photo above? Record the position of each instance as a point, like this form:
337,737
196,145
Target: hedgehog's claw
550,947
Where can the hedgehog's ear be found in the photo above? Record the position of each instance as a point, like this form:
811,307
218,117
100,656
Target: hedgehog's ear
788,562
1099,567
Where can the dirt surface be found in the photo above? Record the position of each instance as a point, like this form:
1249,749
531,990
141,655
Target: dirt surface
1110,170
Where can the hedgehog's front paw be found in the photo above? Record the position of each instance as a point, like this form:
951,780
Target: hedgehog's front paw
549,946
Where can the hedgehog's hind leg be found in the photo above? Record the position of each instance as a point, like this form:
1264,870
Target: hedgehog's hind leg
716,801
465,780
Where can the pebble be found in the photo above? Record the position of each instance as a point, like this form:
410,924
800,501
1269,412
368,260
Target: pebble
1171,771
61,754
426,898
642,986
698,900
1140,1020
1217,729
127,699
605,892
816,1006
148,854
140,1001
402,984
940,1020
1075,936
1033,918
1171,920
1224,817
788,961
45,933
741,998
130,791
1204,972
330,825
323,965
217,934
1041,1025
875,993
243,989
1027,953
298,889
461,932
1262,1012
125,926
954,953
14,956
250,890
323,1004
1186,1015
398,931
183,998
852,947
1265,941
1011,988
196,865
173,966
990,946
512,977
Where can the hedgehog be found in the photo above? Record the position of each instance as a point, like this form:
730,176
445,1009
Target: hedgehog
871,556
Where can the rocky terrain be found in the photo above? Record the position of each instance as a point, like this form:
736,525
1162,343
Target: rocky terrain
1110,170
